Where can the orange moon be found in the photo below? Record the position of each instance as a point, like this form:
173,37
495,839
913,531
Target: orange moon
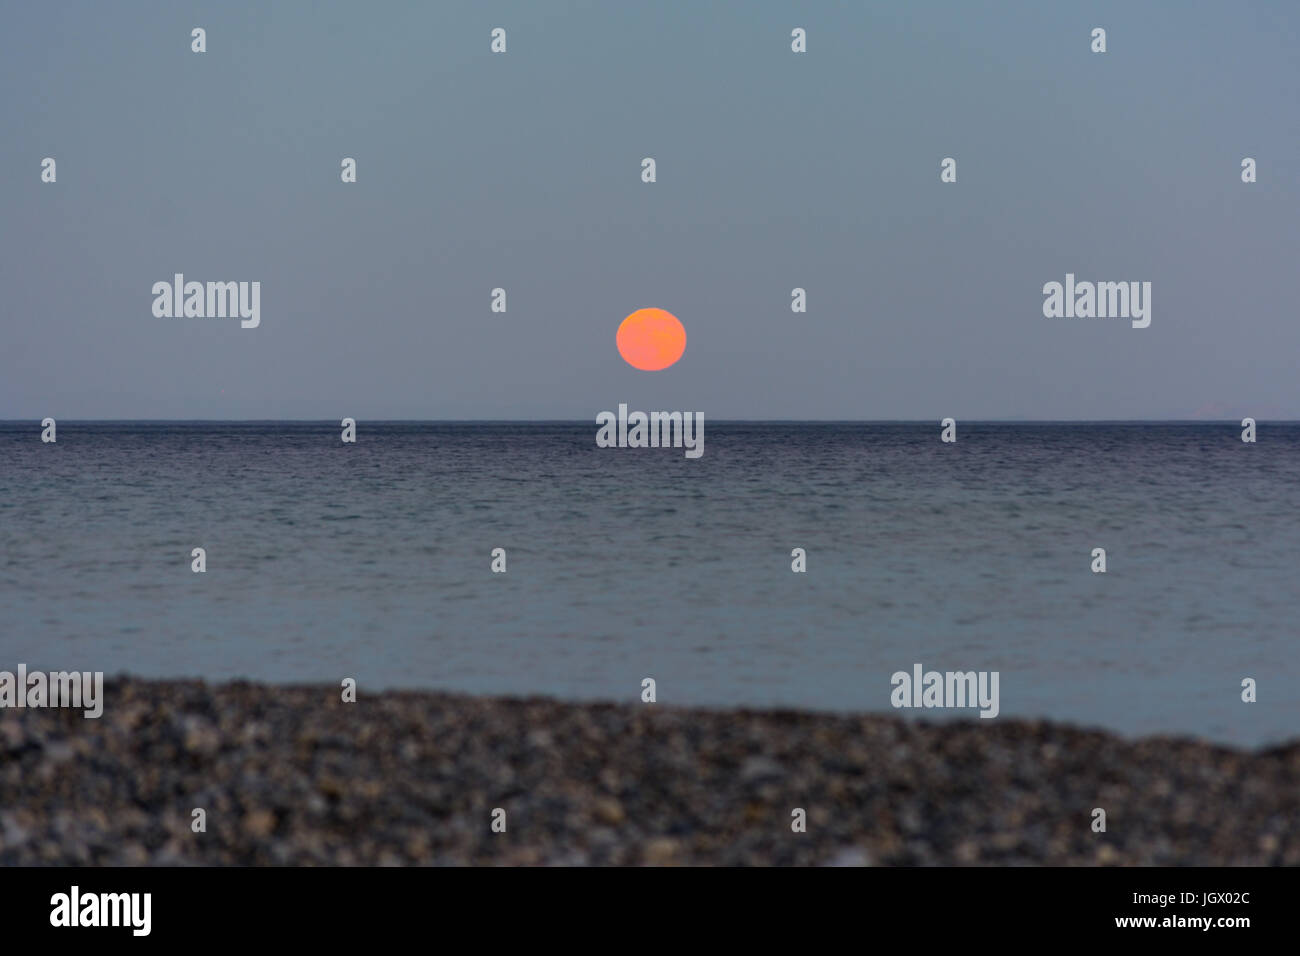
651,339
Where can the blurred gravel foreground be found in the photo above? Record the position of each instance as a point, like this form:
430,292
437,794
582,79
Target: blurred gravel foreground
292,775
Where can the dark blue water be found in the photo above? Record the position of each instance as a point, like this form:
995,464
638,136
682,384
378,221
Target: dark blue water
372,560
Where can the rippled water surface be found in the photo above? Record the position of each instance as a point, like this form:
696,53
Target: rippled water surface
372,561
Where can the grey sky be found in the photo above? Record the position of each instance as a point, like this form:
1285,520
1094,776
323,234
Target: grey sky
775,170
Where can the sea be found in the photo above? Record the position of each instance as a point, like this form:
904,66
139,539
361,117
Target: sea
374,561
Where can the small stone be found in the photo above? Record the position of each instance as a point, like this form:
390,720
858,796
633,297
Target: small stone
200,736
259,824
851,856
755,769
660,851
11,735
608,810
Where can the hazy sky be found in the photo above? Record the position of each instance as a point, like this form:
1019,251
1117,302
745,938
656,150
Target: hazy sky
775,170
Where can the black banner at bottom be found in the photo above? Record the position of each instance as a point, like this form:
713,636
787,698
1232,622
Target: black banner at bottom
335,906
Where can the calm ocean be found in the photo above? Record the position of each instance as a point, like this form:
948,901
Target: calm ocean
371,560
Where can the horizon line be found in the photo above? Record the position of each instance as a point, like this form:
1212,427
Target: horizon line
591,421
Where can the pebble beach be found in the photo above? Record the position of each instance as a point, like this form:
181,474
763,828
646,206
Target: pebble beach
295,776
